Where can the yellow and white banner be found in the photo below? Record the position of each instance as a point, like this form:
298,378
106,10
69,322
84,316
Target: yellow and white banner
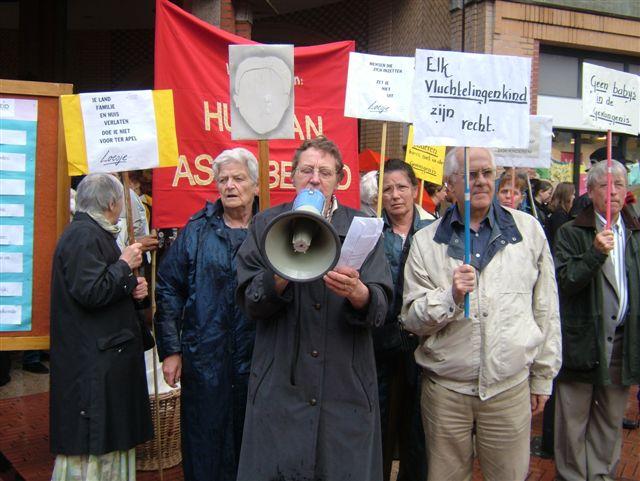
427,161
119,131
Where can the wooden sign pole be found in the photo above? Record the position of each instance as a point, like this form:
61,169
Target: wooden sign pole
127,205
534,211
513,187
263,177
383,148
155,364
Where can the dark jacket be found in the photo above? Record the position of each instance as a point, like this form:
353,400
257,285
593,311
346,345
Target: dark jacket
580,283
556,220
197,316
312,412
99,399
388,336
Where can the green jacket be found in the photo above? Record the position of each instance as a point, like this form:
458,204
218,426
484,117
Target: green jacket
578,272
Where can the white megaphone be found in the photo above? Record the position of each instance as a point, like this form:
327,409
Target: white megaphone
300,245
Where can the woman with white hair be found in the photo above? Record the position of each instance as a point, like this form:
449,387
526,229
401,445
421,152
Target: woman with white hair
204,340
99,398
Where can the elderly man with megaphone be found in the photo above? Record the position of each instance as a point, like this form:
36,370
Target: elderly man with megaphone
312,409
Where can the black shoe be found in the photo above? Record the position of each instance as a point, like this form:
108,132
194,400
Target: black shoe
5,380
538,450
629,424
36,368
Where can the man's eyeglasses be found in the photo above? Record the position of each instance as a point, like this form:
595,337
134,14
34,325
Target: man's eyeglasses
487,174
308,171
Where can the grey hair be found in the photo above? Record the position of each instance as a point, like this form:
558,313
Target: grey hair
599,170
452,165
97,193
240,155
369,187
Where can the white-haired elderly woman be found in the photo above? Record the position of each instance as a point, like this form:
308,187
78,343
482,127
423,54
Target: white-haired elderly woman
204,340
99,399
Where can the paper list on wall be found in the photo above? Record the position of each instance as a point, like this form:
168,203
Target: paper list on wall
11,235
18,138
11,210
12,162
12,187
10,289
10,314
11,263
13,137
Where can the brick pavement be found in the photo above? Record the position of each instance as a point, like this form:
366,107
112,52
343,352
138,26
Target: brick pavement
24,441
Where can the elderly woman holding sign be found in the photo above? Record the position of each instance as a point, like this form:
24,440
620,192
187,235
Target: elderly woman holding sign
99,398
204,340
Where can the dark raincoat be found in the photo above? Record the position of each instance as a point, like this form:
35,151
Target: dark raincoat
197,316
312,411
398,374
99,399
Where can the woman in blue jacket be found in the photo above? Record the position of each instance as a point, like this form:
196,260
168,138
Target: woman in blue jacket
204,340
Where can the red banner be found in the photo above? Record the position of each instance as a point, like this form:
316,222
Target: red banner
191,59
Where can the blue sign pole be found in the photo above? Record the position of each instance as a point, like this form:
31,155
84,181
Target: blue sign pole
467,225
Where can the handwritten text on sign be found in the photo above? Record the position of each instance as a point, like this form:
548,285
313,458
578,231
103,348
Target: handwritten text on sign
379,87
427,161
610,99
471,99
120,130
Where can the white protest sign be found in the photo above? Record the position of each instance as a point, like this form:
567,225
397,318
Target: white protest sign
474,100
610,99
538,154
261,87
379,87
120,130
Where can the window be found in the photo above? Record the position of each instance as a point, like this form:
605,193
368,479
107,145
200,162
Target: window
558,76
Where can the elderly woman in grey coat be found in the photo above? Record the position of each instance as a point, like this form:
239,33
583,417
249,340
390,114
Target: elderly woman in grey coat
99,399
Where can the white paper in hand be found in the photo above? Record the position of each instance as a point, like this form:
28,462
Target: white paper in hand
362,237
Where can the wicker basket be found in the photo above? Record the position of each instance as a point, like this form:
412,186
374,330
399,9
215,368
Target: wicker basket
147,453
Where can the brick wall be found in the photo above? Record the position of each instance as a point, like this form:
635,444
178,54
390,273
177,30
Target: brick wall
398,28
520,29
227,16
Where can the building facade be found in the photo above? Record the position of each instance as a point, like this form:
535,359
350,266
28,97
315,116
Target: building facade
108,45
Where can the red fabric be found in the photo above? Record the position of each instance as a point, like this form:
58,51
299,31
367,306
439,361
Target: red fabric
190,58
428,204
369,160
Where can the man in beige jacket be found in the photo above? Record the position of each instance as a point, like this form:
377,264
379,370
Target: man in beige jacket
494,369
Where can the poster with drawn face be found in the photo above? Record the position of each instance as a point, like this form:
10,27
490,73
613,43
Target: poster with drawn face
261,86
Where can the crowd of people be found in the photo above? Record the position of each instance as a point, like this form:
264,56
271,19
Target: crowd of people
335,378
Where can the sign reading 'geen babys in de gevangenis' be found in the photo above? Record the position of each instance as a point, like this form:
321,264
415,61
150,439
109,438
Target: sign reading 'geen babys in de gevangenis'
471,99
610,99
